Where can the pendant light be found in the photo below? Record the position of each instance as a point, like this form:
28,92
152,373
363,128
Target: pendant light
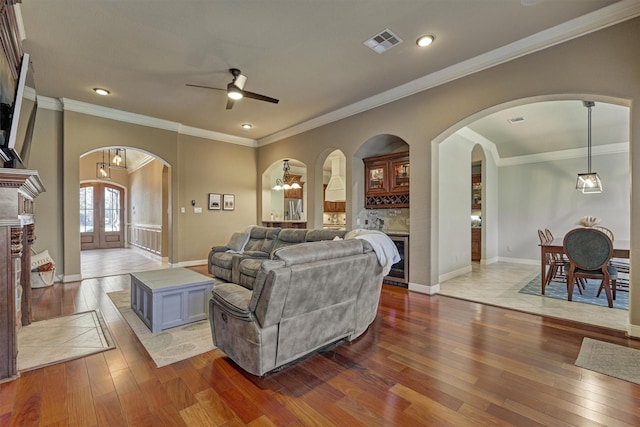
286,182
589,183
103,171
117,158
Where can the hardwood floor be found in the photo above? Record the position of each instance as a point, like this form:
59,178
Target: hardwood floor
425,361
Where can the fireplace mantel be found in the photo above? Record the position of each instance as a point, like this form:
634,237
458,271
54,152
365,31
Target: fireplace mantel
18,190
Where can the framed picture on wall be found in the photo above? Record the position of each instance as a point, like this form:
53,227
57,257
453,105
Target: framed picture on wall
228,202
214,201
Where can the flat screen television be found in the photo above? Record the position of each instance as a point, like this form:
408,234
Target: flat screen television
18,119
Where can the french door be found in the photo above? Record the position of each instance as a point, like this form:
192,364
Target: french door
101,216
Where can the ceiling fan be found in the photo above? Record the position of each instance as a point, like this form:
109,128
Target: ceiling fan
235,89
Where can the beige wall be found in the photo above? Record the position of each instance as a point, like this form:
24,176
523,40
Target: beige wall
145,195
599,65
214,167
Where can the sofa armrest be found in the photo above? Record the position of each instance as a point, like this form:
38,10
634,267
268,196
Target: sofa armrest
219,249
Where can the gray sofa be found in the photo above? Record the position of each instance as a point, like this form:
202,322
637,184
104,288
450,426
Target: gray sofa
306,297
241,264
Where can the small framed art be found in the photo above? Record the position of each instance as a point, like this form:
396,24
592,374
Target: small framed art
214,201
228,202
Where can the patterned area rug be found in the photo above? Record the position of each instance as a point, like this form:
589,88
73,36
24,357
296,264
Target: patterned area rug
610,359
168,346
558,290
56,340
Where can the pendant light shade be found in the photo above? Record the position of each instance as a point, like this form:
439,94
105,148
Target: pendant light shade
589,182
286,183
103,171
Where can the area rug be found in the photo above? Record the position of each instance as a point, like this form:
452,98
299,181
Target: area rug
610,359
60,339
168,346
558,290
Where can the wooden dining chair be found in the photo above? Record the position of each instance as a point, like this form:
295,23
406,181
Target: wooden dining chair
555,264
622,265
589,251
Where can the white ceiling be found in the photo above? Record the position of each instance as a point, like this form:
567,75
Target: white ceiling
309,54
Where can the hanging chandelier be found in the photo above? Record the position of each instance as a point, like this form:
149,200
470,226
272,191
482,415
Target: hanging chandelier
589,183
286,183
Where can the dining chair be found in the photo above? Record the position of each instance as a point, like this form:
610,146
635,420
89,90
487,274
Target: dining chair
555,264
589,251
622,265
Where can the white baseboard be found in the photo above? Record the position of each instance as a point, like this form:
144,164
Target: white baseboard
489,261
455,273
424,289
71,278
520,260
189,263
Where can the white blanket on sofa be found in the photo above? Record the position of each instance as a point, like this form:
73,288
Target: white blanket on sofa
383,246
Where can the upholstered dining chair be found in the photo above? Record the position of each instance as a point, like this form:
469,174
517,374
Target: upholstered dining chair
589,251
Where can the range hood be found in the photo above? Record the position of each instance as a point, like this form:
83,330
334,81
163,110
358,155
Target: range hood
336,190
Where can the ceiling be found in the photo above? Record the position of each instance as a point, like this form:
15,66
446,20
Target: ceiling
308,54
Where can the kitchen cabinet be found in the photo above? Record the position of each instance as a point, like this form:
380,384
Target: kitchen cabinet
337,207
476,191
387,181
476,243
294,193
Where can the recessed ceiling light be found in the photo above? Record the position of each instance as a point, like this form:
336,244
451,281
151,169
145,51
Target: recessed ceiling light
101,91
424,40
247,126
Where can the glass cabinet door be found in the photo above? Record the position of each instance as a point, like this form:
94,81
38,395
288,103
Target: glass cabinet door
376,177
400,175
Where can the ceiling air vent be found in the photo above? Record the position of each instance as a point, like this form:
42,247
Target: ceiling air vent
516,120
383,41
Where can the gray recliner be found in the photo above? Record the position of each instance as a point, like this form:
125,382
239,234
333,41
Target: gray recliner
309,296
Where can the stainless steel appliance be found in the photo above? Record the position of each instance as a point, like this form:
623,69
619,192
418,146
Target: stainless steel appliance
399,274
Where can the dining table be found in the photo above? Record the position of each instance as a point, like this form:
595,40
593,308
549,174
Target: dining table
621,249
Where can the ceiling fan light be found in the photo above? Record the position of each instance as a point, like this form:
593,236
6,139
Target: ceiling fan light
234,93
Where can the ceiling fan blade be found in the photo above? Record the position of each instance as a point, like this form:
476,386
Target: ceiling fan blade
259,97
205,87
230,103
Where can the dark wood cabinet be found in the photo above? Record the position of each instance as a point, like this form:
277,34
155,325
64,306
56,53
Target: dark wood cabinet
337,207
387,181
476,243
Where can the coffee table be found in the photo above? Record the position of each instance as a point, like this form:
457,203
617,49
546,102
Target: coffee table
170,297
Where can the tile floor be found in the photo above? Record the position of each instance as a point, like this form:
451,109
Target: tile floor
498,284
62,338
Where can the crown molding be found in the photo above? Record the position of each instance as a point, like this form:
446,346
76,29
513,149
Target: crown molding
217,136
597,20
574,153
66,104
597,150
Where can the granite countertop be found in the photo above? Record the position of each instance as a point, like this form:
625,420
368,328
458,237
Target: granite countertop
396,233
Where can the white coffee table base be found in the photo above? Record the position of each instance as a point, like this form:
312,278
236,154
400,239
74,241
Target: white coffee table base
170,297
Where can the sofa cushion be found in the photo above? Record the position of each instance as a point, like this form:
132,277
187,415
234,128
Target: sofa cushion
223,259
248,271
237,242
288,237
316,251
261,239
317,235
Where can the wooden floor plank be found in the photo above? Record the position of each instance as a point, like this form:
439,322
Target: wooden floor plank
426,360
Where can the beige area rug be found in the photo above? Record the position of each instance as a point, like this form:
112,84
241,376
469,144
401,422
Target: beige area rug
60,339
168,346
610,359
